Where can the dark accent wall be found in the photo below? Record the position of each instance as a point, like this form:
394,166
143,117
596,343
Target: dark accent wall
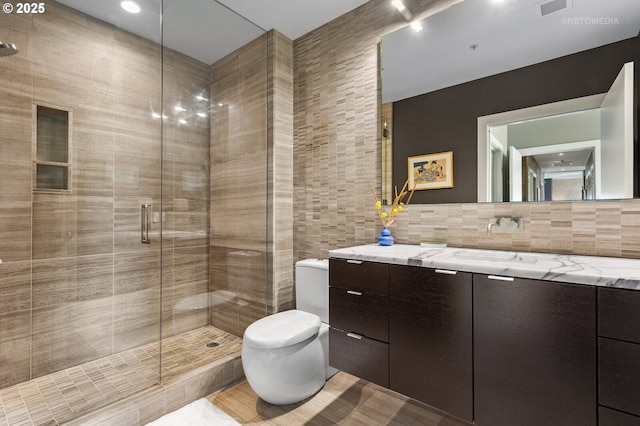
446,119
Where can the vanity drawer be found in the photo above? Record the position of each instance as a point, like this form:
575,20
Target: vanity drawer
619,375
369,277
619,314
359,312
362,357
608,417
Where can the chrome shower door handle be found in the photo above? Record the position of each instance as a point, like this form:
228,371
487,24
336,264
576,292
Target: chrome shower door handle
145,224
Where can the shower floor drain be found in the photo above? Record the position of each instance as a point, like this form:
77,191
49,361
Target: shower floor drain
213,344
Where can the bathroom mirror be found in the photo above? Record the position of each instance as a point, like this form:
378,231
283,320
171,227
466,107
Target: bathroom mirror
578,149
481,58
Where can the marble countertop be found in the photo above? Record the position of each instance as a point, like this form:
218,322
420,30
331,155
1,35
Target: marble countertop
592,270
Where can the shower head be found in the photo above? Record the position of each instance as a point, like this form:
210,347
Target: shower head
7,49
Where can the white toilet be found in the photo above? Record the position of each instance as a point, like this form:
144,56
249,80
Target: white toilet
285,356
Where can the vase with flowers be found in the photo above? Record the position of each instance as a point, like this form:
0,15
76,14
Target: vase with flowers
398,205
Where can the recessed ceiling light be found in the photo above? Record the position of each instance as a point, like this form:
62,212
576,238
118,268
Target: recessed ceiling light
130,6
417,26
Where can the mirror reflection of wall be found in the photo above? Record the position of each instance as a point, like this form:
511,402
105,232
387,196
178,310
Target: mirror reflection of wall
584,145
558,166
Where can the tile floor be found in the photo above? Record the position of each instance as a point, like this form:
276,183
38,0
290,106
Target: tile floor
67,394
344,400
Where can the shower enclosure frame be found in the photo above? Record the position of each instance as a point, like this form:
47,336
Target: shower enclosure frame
123,258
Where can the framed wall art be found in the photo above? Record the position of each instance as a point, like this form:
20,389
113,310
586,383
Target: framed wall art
431,171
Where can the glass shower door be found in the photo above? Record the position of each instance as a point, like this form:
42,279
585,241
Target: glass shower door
80,155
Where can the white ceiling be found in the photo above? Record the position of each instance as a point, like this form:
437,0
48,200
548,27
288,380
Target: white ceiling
293,18
507,34
208,30
565,161
552,130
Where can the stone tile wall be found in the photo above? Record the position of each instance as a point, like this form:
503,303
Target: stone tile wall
336,130
280,173
238,159
251,183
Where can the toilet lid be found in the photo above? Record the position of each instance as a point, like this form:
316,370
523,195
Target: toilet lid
282,329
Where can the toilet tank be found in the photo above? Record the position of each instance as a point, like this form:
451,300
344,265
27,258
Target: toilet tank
312,287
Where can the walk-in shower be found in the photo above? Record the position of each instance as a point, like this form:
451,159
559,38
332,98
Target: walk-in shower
7,49
97,120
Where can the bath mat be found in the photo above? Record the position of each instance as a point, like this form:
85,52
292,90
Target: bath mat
199,413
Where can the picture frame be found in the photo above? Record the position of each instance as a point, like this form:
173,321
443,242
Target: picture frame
431,171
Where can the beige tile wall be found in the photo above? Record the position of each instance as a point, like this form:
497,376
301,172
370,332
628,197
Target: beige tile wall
337,157
238,262
252,183
280,172
15,204
336,130
603,228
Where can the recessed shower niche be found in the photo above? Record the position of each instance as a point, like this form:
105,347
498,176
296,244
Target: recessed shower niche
52,144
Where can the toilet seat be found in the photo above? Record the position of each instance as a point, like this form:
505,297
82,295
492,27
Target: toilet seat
281,330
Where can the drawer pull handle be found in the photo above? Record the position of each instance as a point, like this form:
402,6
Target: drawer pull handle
355,293
355,262
446,272
354,336
499,278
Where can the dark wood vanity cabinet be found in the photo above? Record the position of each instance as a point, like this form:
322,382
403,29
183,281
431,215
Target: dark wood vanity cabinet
619,357
495,351
534,353
359,319
430,337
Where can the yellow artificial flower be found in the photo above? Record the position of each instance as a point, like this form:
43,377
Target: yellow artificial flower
397,205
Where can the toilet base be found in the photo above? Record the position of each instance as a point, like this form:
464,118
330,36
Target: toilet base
286,375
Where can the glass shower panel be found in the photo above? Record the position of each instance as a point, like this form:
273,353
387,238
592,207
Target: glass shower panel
214,176
79,293
239,188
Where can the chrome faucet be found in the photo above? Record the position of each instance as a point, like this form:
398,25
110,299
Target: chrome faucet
490,227
505,225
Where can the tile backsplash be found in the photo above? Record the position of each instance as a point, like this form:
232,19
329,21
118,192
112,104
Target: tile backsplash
598,228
